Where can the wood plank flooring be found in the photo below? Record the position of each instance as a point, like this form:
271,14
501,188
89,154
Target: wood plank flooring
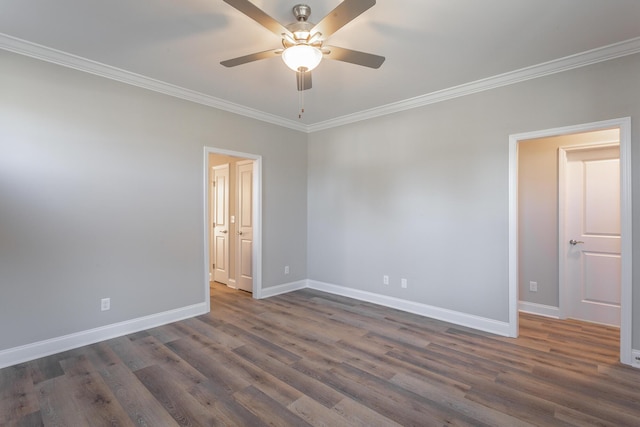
309,358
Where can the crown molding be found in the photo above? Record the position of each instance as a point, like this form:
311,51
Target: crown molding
65,59
616,50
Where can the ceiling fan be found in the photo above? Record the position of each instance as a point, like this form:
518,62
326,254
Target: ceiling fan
303,42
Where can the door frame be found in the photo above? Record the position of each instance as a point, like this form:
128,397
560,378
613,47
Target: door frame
257,215
563,288
626,305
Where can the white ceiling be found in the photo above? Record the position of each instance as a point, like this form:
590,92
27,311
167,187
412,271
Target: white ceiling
429,45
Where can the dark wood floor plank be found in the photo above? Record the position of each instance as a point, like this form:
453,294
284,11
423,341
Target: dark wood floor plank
308,358
585,399
524,406
210,362
400,396
173,397
317,414
213,334
267,409
98,404
166,333
30,420
55,408
380,400
232,372
270,348
508,353
457,402
306,385
46,368
360,415
578,418
141,406
129,353
18,397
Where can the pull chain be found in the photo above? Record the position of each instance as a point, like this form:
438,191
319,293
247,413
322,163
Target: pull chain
300,76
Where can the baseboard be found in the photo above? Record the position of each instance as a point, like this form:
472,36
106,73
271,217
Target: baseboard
539,309
458,318
283,289
36,350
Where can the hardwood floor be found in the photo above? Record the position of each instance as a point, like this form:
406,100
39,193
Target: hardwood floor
309,358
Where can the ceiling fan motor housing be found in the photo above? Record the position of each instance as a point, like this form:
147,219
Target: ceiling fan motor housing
300,30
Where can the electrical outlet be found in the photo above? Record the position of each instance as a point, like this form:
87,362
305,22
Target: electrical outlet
403,283
385,280
105,304
286,269
636,358
533,286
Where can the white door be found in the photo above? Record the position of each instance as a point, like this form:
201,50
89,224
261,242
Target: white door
220,209
592,234
244,225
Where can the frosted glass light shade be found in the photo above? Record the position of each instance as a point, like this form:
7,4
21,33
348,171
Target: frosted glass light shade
302,56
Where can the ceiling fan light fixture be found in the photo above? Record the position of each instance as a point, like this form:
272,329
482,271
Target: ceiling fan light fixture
302,56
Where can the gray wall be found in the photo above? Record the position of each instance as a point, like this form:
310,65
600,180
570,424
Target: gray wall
538,212
101,195
423,194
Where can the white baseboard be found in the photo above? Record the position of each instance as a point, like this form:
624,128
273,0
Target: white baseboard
539,309
283,289
39,349
462,319
24,353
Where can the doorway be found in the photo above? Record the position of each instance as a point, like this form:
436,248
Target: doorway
554,300
233,219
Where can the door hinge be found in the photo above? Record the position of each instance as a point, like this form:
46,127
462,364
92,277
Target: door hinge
213,266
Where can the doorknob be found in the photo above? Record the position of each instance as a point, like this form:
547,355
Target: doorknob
240,233
575,242
224,231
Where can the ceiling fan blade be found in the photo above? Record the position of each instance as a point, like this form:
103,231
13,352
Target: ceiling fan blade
353,56
341,15
252,57
303,80
255,13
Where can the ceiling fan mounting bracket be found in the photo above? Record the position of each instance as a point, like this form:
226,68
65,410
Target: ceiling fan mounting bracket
301,12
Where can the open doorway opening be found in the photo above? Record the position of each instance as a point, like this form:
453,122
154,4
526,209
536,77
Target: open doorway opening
233,220
545,263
